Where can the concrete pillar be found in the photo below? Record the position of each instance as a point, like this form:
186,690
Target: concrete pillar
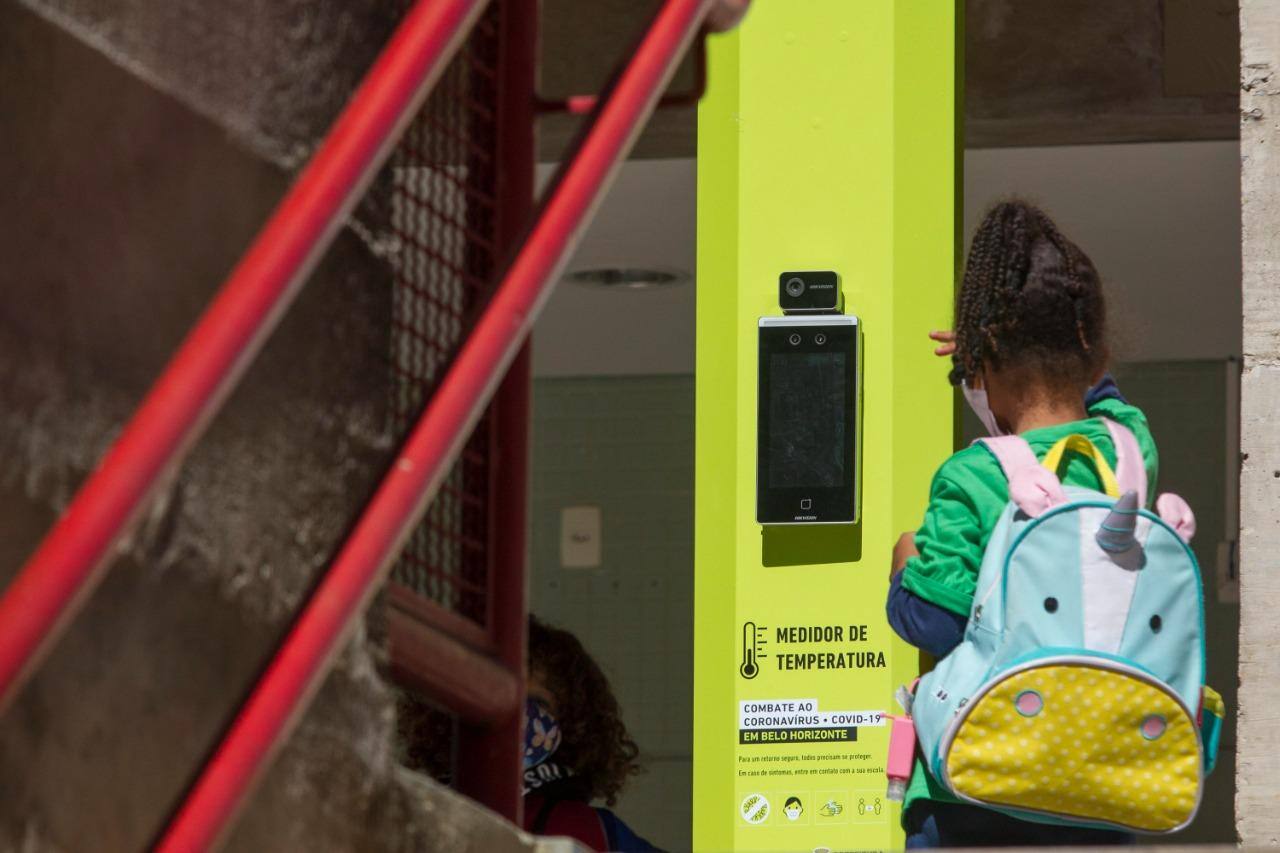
1258,759
827,141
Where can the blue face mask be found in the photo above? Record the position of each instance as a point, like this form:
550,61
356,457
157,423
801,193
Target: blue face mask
541,733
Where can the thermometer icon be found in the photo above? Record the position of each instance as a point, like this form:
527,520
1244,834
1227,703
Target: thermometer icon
751,643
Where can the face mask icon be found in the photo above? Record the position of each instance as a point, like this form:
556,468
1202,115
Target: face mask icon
793,808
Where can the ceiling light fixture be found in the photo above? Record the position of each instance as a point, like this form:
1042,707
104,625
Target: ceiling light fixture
629,278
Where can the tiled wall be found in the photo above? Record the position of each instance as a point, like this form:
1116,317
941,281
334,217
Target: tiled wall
625,444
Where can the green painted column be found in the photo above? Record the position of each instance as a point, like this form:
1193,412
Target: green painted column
828,140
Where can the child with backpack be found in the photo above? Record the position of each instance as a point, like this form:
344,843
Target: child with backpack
1069,706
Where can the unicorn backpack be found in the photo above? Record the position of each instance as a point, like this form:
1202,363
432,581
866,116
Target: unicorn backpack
1077,695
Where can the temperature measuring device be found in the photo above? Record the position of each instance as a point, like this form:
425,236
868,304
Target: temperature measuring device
807,419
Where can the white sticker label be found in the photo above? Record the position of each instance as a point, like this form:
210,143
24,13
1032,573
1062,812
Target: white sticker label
800,714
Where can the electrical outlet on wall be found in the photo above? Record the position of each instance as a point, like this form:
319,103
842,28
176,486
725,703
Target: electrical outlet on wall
580,537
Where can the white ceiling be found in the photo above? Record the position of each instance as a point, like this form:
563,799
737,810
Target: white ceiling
648,219
1160,220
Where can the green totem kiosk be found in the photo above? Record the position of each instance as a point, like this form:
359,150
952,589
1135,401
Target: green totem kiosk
828,142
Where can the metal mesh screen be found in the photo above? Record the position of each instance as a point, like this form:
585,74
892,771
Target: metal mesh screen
444,215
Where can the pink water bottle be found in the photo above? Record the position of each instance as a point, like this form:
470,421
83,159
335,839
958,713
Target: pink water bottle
902,754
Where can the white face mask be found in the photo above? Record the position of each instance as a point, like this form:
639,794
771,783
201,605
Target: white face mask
977,400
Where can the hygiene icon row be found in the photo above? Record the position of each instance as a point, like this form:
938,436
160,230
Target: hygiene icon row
813,808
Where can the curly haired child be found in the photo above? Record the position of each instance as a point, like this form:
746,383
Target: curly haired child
577,749
1029,348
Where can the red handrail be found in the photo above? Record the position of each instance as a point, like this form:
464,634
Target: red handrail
303,659
71,560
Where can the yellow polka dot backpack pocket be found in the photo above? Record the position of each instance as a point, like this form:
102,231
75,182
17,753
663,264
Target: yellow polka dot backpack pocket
1078,696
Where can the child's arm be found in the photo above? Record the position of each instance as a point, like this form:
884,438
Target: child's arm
923,625
929,610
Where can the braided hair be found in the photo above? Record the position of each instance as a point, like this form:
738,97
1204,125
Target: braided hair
1030,299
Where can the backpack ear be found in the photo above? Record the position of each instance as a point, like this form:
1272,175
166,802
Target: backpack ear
1175,512
1036,490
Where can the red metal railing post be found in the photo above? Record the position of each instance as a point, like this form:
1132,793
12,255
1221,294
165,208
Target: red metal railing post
490,757
70,561
329,616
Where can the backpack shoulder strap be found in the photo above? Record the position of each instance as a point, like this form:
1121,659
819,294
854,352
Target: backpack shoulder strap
1012,452
1131,473
1033,488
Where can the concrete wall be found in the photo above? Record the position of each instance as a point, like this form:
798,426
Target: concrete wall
270,74
1065,72
1038,72
143,144
1259,768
